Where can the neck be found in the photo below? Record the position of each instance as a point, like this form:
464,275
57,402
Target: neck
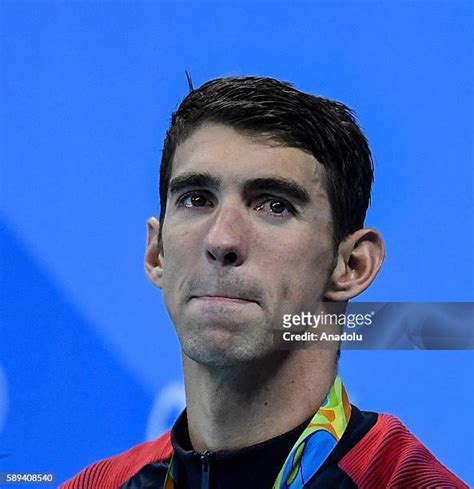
234,407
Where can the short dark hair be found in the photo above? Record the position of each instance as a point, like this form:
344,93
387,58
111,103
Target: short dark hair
275,110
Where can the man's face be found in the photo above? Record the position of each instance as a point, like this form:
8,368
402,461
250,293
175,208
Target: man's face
246,239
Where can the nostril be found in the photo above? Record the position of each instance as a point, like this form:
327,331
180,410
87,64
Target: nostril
230,258
211,256
225,258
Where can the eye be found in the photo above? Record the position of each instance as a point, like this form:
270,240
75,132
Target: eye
194,199
276,206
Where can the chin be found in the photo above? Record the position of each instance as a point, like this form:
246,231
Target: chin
222,349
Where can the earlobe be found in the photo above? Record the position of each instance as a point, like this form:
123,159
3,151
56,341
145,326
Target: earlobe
359,259
153,257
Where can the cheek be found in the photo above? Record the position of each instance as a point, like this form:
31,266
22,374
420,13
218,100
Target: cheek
301,266
180,255
178,241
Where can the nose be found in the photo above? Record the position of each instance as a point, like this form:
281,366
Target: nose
226,242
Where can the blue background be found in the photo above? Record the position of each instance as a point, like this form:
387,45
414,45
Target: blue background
89,362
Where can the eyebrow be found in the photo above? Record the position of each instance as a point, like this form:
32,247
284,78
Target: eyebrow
198,180
280,185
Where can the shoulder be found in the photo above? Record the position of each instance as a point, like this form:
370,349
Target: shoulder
112,472
390,456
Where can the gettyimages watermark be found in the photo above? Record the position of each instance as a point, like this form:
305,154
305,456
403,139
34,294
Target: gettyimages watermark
380,326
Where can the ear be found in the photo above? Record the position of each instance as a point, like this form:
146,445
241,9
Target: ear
153,256
359,258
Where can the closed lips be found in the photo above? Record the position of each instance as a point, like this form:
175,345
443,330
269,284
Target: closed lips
222,297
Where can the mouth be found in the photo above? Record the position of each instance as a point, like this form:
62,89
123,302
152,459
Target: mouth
224,299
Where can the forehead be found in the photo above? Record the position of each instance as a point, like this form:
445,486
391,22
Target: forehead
236,157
